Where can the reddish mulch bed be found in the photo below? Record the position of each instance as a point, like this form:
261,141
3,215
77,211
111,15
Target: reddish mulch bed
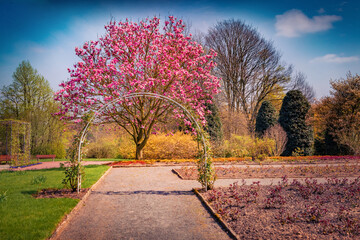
291,210
60,193
288,160
343,170
128,163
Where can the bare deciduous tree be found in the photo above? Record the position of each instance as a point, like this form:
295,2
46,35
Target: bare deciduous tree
343,118
298,82
278,134
233,123
248,65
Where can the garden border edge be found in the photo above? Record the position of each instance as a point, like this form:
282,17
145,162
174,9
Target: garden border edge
218,218
65,219
177,174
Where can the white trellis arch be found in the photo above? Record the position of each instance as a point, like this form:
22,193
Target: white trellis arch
143,94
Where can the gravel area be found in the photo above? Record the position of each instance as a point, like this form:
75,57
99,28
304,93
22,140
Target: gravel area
143,203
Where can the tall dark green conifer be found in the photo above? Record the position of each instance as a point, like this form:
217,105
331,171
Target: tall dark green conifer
214,125
265,118
292,118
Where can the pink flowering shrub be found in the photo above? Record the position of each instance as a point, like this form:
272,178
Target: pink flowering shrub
139,57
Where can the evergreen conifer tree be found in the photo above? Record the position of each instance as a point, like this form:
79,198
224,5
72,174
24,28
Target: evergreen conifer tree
265,118
293,120
214,125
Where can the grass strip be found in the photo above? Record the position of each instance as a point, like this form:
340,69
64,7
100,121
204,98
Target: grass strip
84,160
24,217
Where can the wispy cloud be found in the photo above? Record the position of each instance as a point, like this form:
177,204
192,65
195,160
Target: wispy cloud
294,22
333,58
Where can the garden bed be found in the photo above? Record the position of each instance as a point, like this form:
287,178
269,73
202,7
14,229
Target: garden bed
60,193
24,166
127,163
289,160
300,171
290,210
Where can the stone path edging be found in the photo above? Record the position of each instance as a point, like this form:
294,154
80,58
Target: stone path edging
65,220
218,218
177,174
154,165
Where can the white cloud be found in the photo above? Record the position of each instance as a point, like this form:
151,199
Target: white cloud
294,22
333,58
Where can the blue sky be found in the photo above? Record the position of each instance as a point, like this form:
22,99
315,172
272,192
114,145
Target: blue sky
319,38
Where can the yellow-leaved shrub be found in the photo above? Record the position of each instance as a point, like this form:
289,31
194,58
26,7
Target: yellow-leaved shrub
164,146
126,148
246,146
161,146
102,147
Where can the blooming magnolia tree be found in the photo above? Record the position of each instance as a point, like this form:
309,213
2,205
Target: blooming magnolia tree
139,57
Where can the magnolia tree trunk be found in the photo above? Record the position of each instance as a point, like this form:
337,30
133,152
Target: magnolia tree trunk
139,153
140,142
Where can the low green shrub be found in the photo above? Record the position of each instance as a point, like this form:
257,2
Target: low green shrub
57,149
71,176
103,149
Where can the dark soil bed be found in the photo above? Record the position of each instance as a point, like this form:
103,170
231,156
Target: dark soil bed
60,193
301,171
290,210
289,160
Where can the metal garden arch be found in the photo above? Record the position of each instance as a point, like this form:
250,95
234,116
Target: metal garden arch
142,94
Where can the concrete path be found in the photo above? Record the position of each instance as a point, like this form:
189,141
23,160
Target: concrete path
143,203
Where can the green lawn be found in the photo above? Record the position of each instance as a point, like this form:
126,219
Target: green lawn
22,216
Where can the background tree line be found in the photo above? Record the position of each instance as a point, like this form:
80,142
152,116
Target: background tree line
30,98
261,93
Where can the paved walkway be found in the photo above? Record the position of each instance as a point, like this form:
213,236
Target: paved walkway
143,203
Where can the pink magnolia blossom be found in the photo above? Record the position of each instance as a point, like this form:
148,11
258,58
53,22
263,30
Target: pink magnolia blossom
139,57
